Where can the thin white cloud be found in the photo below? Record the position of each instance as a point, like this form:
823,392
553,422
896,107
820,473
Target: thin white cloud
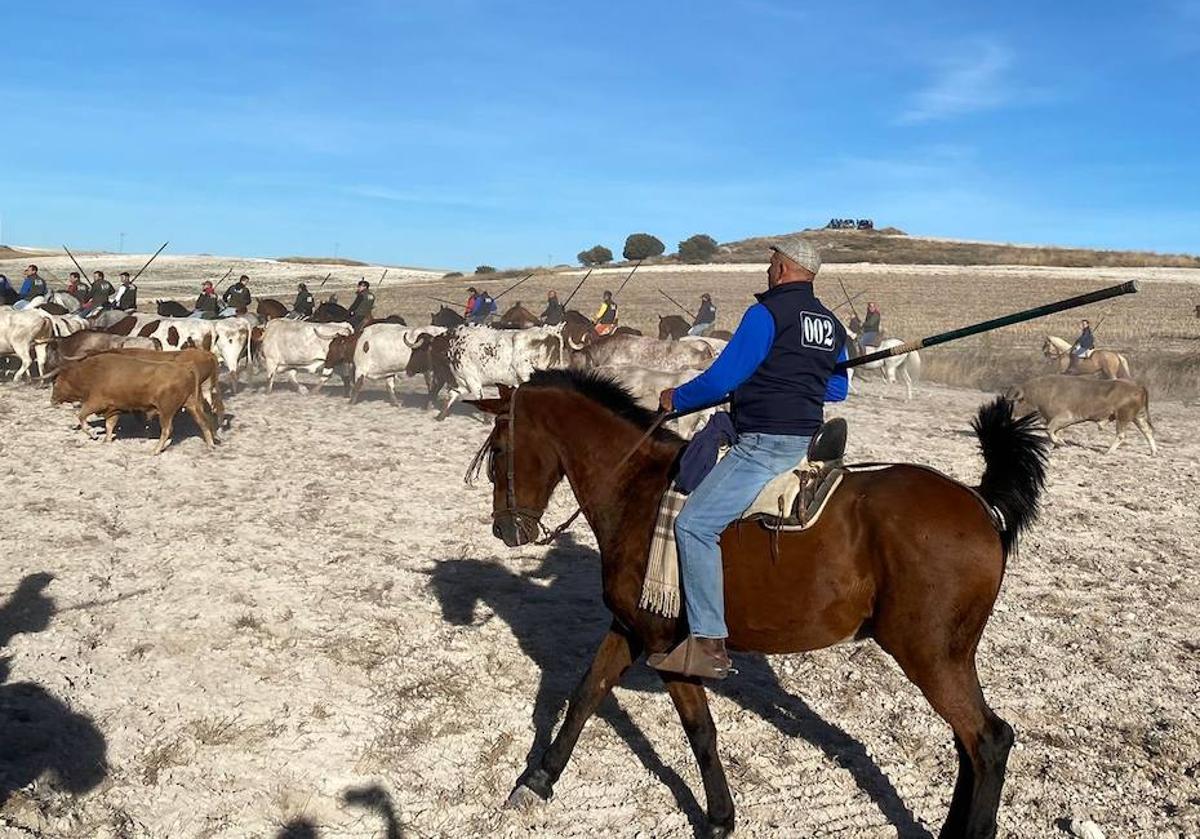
975,80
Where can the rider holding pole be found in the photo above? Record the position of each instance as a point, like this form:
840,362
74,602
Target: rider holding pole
780,368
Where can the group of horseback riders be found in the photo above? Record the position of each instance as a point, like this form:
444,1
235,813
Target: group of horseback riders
92,297
481,308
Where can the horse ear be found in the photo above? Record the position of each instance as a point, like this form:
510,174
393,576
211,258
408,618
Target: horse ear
496,407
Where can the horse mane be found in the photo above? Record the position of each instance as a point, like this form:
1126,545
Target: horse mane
605,392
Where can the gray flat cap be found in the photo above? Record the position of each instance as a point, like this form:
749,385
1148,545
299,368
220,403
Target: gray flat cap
799,251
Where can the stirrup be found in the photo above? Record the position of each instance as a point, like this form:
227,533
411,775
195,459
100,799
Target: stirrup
687,659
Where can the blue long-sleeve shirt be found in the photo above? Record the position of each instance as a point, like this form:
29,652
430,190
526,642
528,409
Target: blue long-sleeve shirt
747,349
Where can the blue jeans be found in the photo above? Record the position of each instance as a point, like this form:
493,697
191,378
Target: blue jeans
702,329
721,498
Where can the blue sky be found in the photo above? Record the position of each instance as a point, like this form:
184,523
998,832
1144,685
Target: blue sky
457,132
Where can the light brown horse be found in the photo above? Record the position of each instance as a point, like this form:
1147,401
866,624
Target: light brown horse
516,317
904,555
1109,364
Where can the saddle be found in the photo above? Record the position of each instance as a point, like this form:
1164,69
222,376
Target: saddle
794,500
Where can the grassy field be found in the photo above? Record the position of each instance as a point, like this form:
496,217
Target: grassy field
1156,328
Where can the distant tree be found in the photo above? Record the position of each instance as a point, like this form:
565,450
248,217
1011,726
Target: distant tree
698,248
598,255
451,275
643,246
485,269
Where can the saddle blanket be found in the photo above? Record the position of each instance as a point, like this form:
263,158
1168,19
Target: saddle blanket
661,590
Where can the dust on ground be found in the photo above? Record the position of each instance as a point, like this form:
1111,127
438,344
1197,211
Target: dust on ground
311,631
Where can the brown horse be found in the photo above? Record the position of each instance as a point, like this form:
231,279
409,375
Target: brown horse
672,326
1109,364
903,555
269,309
516,317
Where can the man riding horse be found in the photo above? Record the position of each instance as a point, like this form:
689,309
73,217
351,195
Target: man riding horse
780,368
1083,346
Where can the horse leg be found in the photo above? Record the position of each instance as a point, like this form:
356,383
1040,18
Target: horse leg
692,704
981,739
617,651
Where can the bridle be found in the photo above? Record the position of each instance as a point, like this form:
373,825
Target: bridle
521,514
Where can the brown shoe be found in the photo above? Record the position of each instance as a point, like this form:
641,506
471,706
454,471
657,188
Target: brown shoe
703,657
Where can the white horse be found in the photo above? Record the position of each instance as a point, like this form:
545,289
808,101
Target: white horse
907,365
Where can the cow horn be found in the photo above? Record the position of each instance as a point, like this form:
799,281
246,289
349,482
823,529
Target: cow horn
571,343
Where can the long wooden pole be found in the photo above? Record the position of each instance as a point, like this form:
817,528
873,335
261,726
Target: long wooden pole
581,282
222,280
673,300
511,287
853,310
148,261
850,301
450,303
627,279
82,273
327,276
1130,287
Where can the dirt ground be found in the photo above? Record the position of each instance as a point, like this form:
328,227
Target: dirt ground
312,632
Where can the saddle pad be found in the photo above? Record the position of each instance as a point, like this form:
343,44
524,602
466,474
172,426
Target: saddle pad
661,589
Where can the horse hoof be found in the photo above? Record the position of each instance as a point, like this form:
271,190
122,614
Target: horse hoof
523,798
718,831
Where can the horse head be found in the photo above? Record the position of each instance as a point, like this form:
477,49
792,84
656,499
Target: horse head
523,470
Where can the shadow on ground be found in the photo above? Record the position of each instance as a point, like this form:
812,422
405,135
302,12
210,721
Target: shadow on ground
40,737
372,798
559,626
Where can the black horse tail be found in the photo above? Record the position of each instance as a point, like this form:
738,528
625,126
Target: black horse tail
1014,474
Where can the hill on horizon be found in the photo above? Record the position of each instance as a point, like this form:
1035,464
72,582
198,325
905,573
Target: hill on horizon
893,247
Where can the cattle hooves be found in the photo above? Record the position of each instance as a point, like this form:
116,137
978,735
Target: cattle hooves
523,798
717,831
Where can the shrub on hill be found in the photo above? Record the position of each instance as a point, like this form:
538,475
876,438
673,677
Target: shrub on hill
598,255
698,248
485,269
643,246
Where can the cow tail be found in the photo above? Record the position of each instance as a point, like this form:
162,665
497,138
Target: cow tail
1146,406
1014,473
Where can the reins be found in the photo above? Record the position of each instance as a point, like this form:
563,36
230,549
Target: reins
510,491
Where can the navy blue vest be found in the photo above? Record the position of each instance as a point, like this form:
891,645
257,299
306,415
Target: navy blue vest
786,394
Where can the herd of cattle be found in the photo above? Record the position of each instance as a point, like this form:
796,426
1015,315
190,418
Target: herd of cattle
157,365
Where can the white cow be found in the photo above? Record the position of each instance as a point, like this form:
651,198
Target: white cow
644,351
230,337
469,358
384,350
647,385
27,333
294,345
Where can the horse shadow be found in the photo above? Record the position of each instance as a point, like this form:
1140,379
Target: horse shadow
39,734
373,798
558,618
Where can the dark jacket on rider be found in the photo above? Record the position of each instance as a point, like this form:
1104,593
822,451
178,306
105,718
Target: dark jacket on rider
707,313
101,293
208,305
871,324
554,313
360,309
304,303
237,296
34,286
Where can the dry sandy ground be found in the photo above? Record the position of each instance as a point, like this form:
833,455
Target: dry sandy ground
311,631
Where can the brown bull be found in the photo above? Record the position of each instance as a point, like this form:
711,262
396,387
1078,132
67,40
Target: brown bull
113,383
